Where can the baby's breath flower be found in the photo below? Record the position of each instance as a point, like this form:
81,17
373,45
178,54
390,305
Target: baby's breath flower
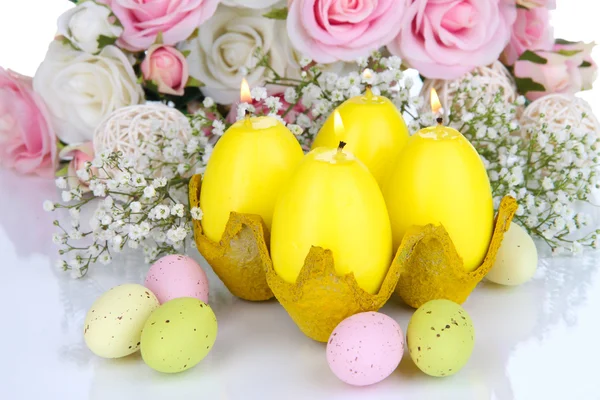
258,93
208,102
149,192
161,212
49,206
67,196
290,95
61,183
196,213
178,210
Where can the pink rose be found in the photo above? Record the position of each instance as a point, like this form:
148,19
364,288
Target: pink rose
531,31
167,68
543,72
444,39
27,140
80,154
328,30
529,4
143,20
588,67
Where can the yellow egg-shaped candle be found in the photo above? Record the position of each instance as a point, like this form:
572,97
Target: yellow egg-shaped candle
375,132
245,172
440,179
332,201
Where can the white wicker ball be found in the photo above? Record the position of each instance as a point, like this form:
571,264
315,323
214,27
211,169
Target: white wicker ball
127,128
493,77
561,110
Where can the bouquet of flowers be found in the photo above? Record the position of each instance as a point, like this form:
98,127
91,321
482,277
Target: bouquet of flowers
302,58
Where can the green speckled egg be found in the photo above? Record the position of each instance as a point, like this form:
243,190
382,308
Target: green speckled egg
114,323
440,337
178,335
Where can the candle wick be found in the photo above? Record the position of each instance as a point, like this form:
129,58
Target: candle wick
439,120
247,113
368,91
341,146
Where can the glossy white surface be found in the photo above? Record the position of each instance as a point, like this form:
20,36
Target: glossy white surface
537,341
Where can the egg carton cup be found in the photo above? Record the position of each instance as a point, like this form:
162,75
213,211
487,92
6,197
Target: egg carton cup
426,267
319,299
240,257
431,267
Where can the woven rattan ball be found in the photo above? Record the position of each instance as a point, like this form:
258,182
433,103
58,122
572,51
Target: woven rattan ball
492,77
561,110
129,129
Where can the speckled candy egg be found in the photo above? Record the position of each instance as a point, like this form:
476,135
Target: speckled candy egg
365,348
178,335
177,276
516,260
440,337
114,323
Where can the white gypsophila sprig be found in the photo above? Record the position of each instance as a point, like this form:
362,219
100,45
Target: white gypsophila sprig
133,208
545,171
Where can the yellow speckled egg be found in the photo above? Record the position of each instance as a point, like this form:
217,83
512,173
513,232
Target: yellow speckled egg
516,260
114,323
440,337
178,335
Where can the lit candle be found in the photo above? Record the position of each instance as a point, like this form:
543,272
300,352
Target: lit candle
332,201
440,179
375,132
248,166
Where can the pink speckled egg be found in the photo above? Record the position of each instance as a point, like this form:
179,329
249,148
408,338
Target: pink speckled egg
365,348
177,276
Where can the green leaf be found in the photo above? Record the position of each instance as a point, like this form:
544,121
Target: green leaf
194,34
533,57
529,85
193,82
104,41
186,53
150,85
63,171
585,64
277,13
159,38
568,53
563,41
73,1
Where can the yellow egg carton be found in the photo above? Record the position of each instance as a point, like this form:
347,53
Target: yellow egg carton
426,267
239,259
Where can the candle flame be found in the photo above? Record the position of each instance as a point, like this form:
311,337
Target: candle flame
338,124
436,105
245,95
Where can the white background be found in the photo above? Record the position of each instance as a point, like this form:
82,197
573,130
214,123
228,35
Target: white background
539,341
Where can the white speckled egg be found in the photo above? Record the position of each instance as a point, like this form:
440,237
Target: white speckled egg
365,348
517,258
114,323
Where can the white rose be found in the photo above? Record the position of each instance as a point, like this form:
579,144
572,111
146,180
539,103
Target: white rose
223,51
250,3
88,24
81,89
